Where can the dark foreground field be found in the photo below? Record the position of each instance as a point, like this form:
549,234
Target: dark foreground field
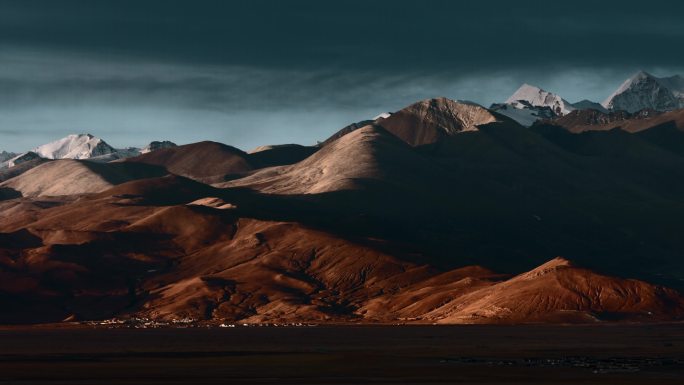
615,354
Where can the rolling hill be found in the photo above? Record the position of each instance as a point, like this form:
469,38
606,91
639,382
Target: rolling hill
71,177
442,212
203,161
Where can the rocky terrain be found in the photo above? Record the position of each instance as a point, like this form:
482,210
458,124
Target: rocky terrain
641,96
443,212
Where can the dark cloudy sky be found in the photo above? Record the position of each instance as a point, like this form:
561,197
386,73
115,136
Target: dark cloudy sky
256,72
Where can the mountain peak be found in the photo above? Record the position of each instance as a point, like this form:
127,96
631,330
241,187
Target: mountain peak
370,153
527,86
157,145
642,74
643,90
429,120
548,267
437,102
81,136
75,146
538,97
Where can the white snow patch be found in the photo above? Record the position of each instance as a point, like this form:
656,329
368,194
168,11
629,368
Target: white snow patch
537,97
81,146
384,115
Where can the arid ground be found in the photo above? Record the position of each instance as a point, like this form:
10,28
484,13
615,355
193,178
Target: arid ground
475,354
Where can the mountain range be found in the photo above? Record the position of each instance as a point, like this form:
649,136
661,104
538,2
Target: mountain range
440,212
78,146
642,91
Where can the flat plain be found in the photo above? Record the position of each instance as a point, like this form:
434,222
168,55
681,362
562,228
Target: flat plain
478,354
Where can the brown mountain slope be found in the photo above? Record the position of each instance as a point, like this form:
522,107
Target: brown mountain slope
429,120
69,177
208,162
278,155
367,154
370,229
559,291
508,197
592,120
133,252
176,261
276,272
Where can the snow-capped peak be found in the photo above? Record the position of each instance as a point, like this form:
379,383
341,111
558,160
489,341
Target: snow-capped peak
643,90
77,146
640,76
538,97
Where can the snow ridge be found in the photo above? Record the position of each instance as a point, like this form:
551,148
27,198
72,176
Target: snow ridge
644,90
538,97
77,146
81,147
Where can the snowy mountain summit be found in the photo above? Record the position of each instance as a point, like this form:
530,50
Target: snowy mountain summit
644,90
538,97
529,104
78,146
82,147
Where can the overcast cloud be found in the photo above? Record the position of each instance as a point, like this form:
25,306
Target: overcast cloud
257,72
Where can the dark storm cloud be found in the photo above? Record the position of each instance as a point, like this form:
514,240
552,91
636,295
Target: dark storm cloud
253,72
39,78
387,35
